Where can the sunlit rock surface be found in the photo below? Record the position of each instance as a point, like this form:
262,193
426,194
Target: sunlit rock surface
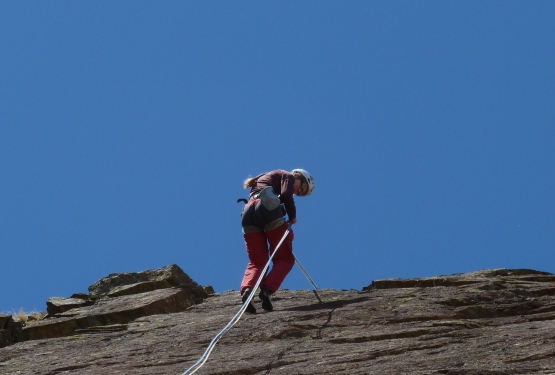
487,322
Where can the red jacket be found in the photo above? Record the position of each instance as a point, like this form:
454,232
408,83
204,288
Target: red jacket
282,183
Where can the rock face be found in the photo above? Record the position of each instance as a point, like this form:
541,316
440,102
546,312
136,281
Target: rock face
494,322
109,312
10,331
114,301
121,284
57,305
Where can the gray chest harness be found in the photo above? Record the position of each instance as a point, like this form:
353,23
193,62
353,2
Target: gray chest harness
263,212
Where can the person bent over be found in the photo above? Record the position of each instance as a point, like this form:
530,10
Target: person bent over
264,225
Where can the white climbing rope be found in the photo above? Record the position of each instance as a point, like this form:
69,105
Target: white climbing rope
191,370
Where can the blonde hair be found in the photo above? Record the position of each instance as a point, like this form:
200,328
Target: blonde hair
251,181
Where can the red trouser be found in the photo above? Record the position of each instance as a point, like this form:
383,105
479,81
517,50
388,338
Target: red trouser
257,250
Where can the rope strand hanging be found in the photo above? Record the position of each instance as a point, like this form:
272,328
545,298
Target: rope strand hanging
191,370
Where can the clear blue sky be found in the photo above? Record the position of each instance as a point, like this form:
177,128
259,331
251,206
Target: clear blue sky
127,128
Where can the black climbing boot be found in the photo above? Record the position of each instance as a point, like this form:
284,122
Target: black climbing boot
264,295
250,308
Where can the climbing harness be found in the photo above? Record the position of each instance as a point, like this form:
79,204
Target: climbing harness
191,370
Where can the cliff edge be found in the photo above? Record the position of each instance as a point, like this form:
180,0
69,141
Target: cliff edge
495,322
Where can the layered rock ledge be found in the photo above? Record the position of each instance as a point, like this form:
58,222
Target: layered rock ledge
116,300
495,322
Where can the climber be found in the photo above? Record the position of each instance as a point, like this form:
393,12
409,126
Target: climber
263,222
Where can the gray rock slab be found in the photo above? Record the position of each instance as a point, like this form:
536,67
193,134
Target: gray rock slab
141,287
56,305
119,284
482,276
10,330
110,311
